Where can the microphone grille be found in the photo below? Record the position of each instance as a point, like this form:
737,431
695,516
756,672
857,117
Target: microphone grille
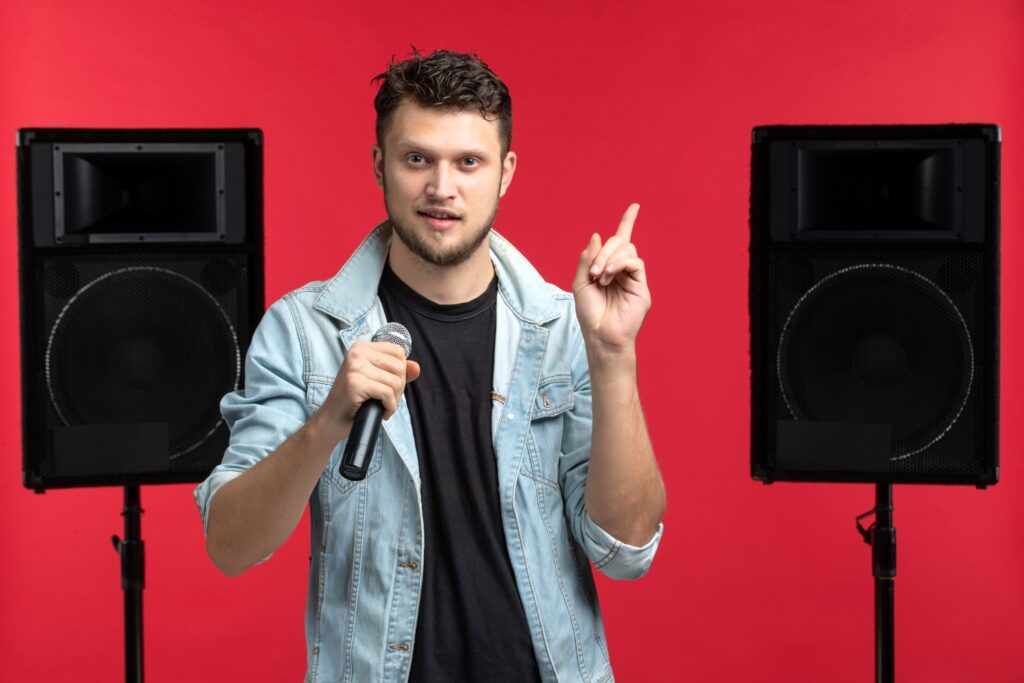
396,334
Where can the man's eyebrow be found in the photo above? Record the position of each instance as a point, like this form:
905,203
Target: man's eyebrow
414,144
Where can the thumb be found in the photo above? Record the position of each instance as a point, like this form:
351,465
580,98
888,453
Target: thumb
582,278
412,370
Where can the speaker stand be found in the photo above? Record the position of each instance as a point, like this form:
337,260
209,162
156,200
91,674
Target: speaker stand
133,581
881,536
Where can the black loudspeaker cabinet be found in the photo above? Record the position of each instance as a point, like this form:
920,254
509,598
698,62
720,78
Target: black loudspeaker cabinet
141,282
874,304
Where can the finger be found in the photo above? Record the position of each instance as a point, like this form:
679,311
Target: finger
592,249
383,354
625,251
625,229
395,366
412,370
634,267
362,360
610,247
389,348
369,389
365,362
615,264
378,376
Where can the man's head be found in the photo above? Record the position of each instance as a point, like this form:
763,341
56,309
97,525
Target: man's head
446,80
444,124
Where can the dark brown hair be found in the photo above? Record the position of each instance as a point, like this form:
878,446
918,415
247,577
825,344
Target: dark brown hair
445,79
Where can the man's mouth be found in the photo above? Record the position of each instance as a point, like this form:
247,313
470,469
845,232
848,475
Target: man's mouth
440,219
442,214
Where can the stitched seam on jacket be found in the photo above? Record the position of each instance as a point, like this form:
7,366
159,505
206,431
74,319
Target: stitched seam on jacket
515,514
320,580
561,584
610,556
533,472
300,331
390,606
357,567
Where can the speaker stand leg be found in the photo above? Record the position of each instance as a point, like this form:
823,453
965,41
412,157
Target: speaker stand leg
132,554
882,537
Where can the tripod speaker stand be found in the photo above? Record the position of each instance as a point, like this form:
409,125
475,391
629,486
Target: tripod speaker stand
874,305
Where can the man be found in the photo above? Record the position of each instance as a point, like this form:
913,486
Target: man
513,449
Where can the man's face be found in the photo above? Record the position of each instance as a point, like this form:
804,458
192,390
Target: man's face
442,176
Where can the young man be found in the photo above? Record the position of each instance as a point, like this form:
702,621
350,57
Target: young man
514,447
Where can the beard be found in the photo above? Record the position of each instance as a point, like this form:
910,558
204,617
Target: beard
424,248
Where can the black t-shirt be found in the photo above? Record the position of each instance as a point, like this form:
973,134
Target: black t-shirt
471,622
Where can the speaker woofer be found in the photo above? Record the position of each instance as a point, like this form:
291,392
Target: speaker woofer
143,345
877,344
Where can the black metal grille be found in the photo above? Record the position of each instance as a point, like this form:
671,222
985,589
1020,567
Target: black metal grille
140,337
877,344
881,336
139,345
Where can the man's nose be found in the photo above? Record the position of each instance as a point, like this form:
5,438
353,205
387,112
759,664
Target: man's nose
442,182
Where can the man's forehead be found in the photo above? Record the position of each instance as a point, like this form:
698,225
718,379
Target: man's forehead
415,125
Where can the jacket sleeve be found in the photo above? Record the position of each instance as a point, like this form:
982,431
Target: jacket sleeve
268,409
614,558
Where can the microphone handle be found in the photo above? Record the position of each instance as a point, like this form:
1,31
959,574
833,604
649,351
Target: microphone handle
362,440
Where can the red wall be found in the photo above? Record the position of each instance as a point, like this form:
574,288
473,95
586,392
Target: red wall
613,104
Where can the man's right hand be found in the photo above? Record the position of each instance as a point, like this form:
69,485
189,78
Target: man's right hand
371,370
252,515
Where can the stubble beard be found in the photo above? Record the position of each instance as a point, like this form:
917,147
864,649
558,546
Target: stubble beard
428,252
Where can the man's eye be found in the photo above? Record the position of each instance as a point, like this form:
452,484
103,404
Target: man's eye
471,161
415,159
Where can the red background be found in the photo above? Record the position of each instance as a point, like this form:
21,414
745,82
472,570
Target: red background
614,102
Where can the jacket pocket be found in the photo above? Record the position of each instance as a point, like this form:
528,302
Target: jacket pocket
554,397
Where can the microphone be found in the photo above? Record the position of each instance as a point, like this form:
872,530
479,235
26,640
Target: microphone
366,426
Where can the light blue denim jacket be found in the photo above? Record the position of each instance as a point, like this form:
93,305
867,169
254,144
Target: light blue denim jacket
367,537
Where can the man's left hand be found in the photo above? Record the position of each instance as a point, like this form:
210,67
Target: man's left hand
611,292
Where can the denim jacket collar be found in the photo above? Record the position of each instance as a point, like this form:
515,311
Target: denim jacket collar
347,298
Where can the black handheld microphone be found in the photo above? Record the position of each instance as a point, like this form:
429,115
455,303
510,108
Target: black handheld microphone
366,425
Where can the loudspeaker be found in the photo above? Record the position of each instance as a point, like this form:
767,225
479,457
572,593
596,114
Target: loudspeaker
874,304
141,282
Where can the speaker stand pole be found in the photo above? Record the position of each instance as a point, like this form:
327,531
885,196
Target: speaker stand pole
131,550
881,536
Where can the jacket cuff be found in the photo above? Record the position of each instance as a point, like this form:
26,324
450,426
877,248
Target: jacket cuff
616,559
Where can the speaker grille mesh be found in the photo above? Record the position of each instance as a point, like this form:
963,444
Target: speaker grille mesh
142,337
877,344
882,336
141,345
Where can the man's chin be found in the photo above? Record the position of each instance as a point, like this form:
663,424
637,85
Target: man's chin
431,248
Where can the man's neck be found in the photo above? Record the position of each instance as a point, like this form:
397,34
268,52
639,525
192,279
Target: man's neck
443,284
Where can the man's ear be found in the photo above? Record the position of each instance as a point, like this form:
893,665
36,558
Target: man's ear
378,165
508,169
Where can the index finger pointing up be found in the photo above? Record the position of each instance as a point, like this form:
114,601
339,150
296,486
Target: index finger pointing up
625,229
